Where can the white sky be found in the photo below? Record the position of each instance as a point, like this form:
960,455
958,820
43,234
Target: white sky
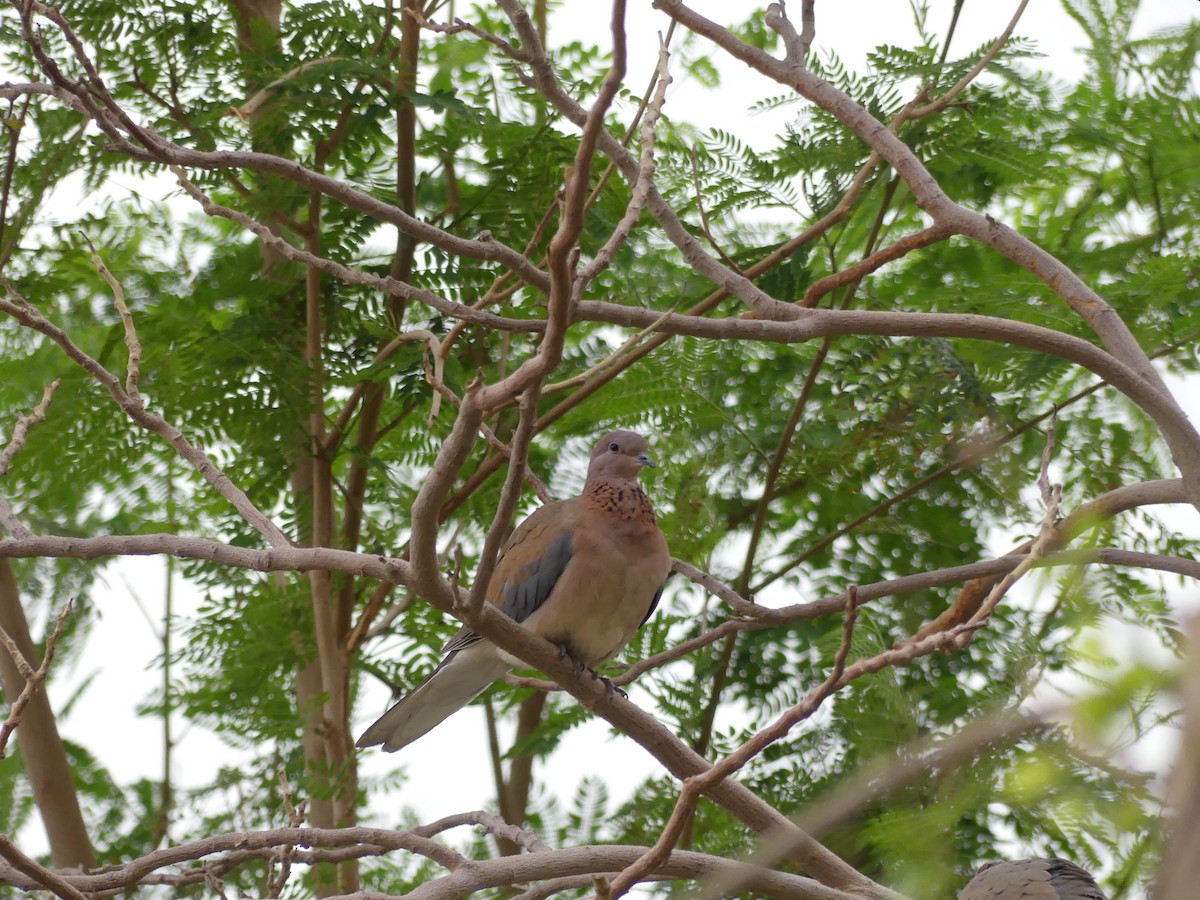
122,646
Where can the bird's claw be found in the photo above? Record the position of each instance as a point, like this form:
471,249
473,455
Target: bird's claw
565,653
610,689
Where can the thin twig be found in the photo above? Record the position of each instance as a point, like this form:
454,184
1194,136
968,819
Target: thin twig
873,782
808,29
386,285
1047,539
695,786
705,227
133,372
24,423
295,819
865,266
736,601
8,517
434,364
645,179
946,99
616,358
13,125
459,25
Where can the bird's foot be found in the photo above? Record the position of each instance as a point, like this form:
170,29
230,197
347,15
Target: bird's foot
565,653
609,687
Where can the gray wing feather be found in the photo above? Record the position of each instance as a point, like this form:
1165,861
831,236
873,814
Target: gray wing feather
524,597
1072,882
1032,879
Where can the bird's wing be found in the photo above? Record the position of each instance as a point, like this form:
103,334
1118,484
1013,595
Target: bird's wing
1032,879
529,566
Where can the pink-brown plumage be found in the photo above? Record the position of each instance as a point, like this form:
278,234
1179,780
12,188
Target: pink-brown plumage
584,573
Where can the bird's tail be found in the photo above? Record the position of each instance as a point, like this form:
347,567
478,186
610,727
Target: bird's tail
461,677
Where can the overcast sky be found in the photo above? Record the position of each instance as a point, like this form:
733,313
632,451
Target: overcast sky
121,650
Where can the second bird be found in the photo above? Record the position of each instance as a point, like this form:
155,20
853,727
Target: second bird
583,573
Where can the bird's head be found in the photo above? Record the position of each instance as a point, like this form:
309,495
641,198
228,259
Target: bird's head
619,455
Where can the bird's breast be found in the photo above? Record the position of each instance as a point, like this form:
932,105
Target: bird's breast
622,502
605,592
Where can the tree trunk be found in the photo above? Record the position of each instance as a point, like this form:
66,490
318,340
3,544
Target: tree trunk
1180,870
322,684
514,792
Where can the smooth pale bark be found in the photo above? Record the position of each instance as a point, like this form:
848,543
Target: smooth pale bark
1180,871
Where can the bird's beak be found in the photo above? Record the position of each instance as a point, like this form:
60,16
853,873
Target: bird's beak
647,461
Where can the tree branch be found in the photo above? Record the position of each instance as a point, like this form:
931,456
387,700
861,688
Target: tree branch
40,875
1182,438
697,785
389,286
133,407
876,781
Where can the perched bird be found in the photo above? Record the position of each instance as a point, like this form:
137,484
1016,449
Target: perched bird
1032,879
583,573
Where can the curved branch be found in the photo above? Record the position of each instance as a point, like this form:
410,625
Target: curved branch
24,312
817,323
132,873
392,287
1083,518
902,247
99,104
874,781
1184,441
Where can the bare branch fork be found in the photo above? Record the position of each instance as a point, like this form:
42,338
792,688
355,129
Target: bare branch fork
33,677
697,785
39,876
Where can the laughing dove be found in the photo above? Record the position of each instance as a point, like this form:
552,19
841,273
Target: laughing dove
1032,879
583,573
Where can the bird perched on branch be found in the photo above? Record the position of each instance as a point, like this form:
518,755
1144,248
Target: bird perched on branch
583,573
1032,879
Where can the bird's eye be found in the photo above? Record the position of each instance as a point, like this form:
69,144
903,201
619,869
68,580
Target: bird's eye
614,446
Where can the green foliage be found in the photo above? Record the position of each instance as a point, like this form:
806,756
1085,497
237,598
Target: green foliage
1103,173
